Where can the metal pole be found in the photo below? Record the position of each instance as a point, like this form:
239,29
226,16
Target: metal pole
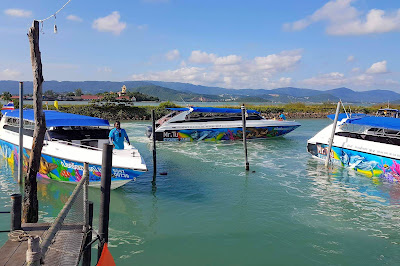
86,195
328,155
21,133
87,255
153,118
105,196
244,136
16,212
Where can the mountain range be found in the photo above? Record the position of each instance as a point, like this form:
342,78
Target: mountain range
175,91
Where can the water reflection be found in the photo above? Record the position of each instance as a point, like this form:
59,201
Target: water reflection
355,201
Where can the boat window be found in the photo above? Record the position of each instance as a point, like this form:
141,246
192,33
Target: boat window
78,133
393,139
25,131
209,117
13,121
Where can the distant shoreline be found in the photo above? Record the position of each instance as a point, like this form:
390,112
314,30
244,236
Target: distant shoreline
133,113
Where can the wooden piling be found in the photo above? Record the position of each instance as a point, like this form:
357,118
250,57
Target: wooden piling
153,134
87,254
31,204
16,211
244,137
21,133
104,216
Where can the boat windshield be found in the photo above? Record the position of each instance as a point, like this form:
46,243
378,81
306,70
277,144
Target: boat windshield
209,117
165,118
78,133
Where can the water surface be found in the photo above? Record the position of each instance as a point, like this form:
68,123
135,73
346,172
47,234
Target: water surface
209,211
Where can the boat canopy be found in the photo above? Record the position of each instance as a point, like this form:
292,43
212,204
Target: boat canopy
59,119
372,121
213,110
342,115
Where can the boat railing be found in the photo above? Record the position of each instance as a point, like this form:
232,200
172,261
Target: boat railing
75,144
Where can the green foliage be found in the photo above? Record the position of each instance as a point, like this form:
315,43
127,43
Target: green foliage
167,104
7,96
50,93
78,92
141,96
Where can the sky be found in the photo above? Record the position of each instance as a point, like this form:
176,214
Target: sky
256,44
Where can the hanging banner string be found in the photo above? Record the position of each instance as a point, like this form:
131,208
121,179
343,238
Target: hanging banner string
54,15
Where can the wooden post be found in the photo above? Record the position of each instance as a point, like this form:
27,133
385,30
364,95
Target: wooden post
328,154
31,205
21,134
153,118
87,254
16,212
104,216
244,137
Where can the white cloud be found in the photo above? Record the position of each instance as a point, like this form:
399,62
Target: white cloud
142,27
228,60
350,58
9,74
74,18
355,69
378,68
173,55
329,79
231,71
200,57
104,69
110,23
344,19
18,13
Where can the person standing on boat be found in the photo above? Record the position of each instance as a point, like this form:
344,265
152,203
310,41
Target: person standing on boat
282,116
117,136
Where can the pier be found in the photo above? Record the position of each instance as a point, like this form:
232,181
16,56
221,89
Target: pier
65,249
62,242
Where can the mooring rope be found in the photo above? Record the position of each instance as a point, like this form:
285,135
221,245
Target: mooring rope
18,235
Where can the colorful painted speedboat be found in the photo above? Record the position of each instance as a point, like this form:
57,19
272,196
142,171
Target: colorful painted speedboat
367,144
70,141
210,124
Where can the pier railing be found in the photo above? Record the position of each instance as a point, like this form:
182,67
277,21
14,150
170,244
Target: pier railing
63,241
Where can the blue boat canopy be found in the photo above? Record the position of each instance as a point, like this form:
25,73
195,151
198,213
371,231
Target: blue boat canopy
59,119
342,115
214,110
374,121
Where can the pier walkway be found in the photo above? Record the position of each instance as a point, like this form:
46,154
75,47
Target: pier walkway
64,250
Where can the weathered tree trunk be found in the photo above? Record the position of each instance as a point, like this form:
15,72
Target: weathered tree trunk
31,205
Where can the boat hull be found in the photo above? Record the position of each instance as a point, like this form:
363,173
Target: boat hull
215,134
67,170
372,165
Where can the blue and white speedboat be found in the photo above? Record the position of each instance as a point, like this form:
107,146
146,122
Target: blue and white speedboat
211,124
367,144
70,141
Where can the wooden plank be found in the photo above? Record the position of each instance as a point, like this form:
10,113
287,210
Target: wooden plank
18,256
64,250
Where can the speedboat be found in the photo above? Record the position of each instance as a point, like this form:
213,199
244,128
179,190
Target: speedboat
70,141
367,144
211,124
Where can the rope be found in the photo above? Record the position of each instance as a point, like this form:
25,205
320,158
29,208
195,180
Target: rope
54,15
18,236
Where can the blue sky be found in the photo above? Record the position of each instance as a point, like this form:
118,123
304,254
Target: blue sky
234,44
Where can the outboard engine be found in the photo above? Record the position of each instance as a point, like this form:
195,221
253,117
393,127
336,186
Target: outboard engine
149,131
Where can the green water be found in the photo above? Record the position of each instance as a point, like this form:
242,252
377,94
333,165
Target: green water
209,211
